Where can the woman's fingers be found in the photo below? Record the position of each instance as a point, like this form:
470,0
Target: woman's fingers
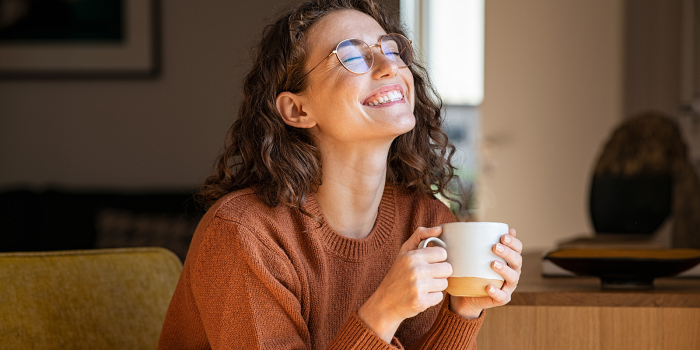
499,296
440,270
418,235
512,242
430,255
436,285
429,263
512,257
509,249
510,276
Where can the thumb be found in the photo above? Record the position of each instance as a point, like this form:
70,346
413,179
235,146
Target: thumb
420,234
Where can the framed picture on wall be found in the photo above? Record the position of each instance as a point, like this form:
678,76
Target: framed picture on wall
79,39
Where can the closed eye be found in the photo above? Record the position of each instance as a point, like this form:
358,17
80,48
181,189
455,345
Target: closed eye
351,59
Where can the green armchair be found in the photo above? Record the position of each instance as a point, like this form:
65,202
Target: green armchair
86,299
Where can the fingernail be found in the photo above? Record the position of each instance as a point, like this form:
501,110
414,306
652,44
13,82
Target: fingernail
498,265
507,239
492,290
499,247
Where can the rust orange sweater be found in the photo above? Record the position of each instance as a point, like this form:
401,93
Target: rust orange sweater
257,277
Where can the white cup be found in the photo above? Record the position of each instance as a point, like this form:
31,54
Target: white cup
469,248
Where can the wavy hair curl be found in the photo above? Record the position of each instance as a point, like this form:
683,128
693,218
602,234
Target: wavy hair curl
283,163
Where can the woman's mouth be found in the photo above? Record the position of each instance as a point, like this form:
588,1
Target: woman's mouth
385,96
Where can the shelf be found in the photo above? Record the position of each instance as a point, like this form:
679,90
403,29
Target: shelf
536,290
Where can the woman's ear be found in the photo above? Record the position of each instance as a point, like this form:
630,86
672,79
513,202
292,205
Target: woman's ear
291,108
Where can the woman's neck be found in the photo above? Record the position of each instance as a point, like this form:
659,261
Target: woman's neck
351,189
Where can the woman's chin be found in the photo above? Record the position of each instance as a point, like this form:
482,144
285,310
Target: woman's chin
405,123
387,132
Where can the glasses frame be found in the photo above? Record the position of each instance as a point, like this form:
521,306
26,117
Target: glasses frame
378,44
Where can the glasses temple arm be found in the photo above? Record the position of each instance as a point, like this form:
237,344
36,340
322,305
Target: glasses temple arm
407,46
309,72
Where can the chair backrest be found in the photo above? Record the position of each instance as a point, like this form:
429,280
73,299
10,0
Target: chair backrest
86,299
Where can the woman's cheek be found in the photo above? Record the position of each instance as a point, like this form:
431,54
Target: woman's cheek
412,94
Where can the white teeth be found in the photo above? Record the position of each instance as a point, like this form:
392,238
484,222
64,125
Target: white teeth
391,96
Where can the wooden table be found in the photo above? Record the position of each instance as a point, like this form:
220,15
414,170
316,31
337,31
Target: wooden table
574,313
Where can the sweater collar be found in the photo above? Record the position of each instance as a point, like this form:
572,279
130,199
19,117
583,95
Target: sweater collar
356,249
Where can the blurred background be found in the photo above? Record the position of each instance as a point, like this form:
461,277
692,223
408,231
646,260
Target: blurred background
118,119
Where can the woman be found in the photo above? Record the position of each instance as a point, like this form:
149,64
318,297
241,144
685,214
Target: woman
322,197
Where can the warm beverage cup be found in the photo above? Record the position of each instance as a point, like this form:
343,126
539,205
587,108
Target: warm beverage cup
469,248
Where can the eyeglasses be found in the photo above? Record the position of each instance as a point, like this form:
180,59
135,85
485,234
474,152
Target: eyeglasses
357,56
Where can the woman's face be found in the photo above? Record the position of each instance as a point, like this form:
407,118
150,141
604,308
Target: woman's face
341,102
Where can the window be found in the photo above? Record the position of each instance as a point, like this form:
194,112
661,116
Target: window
448,37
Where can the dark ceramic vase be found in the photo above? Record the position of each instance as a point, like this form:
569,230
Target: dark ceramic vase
630,205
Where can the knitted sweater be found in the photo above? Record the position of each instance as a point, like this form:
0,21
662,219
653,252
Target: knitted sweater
257,277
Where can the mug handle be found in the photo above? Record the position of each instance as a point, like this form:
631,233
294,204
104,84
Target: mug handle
437,241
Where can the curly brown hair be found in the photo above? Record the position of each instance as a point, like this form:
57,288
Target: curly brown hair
283,163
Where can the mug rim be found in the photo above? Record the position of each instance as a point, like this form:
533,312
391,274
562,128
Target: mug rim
474,222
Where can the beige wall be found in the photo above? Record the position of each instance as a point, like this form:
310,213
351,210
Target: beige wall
137,133
652,62
553,91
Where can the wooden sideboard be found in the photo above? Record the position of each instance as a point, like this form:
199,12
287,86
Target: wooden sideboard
574,313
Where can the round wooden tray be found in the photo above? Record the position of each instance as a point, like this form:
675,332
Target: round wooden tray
626,269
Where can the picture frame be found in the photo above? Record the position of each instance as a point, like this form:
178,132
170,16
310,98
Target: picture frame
135,54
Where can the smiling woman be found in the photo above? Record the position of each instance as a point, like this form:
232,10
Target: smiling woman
324,191
288,174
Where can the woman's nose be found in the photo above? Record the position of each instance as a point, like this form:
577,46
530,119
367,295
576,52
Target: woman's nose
383,66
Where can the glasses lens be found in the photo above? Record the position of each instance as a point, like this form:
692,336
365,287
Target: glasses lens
355,55
398,49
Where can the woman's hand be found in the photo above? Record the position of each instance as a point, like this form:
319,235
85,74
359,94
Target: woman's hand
470,307
414,283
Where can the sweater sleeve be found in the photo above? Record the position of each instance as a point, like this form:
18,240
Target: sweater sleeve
451,331
247,293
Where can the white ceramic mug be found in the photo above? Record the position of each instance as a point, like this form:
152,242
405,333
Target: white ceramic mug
469,248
